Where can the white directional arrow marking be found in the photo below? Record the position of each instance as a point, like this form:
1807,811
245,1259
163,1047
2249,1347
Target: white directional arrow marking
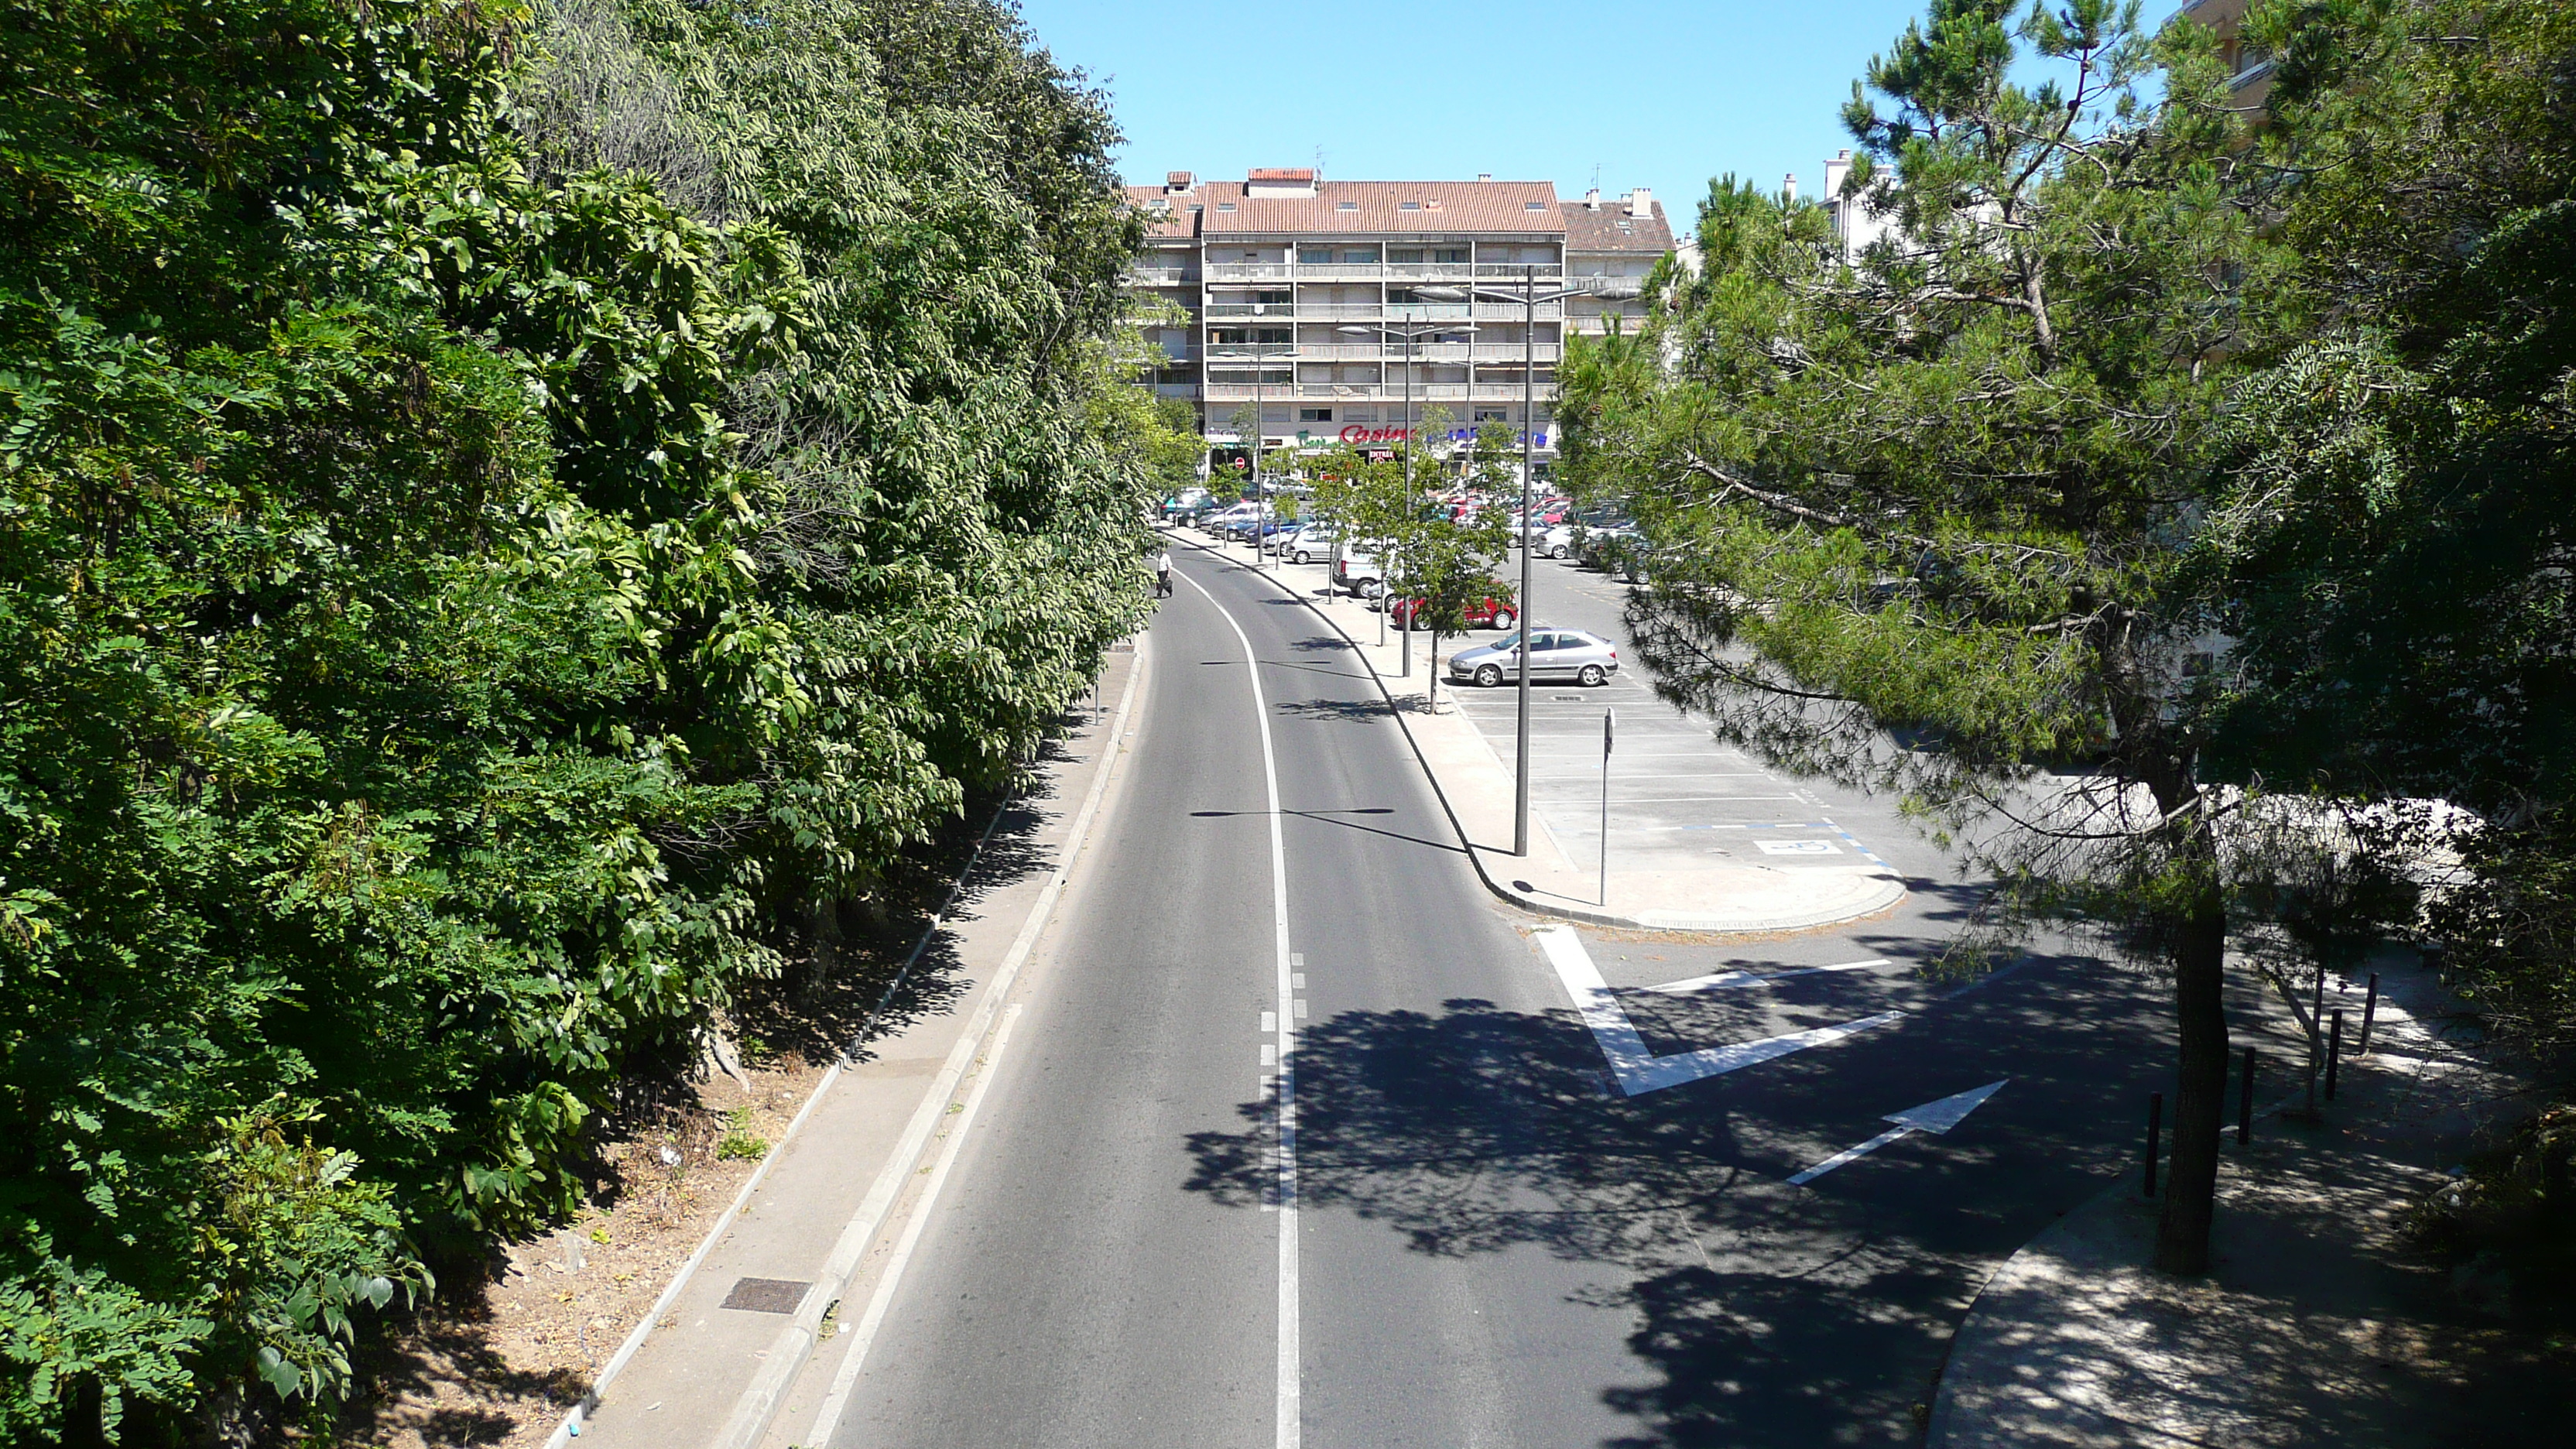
1638,1070
1933,1117
1753,978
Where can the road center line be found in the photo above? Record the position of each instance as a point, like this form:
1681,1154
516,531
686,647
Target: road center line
1290,1411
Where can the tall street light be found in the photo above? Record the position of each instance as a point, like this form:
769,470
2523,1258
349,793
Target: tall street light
1260,491
1409,333
1529,296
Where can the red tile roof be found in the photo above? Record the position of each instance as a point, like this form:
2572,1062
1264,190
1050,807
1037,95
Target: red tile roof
1612,229
1174,222
1382,207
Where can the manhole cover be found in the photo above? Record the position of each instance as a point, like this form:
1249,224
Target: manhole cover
766,1295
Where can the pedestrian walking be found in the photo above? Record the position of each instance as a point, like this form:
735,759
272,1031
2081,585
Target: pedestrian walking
1163,575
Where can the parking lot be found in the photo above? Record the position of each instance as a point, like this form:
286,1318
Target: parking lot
1679,800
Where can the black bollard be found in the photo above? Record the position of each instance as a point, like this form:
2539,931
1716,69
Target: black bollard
2155,1136
2245,1103
2369,1009
2334,1053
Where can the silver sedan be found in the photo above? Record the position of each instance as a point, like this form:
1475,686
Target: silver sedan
1555,655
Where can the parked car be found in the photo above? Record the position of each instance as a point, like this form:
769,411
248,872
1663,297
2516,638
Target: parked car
1224,518
1184,504
1312,544
1357,571
1488,613
1616,549
1557,542
1556,655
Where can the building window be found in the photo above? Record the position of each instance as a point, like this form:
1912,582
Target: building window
1314,415
1533,206
1405,254
1313,256
1449,254
1492,415
1360,254
1225,206
1410,205
1346,206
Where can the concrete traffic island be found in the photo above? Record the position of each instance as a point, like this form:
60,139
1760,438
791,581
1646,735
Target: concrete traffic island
1474,782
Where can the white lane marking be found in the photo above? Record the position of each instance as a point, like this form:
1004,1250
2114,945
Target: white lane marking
789,1352
1797,847
1751,978
827,1420
1640,1071
1290,1412
1934,1117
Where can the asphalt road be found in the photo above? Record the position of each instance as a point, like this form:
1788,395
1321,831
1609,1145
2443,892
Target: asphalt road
1492,1245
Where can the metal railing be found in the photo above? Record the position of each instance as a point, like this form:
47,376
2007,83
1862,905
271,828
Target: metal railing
1247,271
1547,271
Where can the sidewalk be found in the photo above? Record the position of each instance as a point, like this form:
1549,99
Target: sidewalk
727,1359
2315,1326
1652,886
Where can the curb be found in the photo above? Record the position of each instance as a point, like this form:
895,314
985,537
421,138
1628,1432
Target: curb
759,1404
1502,890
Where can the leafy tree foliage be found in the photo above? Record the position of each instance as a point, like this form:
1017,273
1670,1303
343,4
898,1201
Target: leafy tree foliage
508,524
1939,493
2396,552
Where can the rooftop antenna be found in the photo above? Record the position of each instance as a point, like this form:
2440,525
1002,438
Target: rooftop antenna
1319,163
1596,176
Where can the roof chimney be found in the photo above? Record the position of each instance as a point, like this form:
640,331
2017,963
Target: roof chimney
1292,181
1789,187
1484,175
1641,203
1177,181
1592,199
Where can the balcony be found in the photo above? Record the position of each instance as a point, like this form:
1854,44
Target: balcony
1547,271
1159,277
1512,312
1314,392
1248,271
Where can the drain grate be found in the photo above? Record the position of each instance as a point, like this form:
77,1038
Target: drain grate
766,1295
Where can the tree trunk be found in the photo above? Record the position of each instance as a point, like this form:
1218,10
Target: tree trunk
2200,1104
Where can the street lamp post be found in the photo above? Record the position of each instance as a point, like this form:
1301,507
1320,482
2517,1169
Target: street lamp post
1260,488
1411,333
1529,297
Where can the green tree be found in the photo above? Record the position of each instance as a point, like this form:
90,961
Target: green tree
507,525
2395,551
1920,515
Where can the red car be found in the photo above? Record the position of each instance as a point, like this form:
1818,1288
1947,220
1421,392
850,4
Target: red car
1483,614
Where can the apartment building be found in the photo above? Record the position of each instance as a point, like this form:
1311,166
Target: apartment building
1310,295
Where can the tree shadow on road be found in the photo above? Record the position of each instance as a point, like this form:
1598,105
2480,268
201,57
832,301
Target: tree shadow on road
1763,1314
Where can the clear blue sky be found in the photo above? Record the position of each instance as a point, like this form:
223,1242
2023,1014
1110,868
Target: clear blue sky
1659,93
